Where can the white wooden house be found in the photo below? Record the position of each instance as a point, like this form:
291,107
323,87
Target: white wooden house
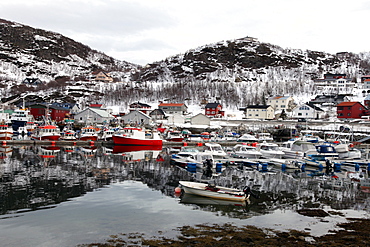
93,116
309,111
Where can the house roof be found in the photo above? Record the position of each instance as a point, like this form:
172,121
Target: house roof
212,105
140,104
349,103
279,97
258,106
313,106
137,112
157,111
171,104
100,112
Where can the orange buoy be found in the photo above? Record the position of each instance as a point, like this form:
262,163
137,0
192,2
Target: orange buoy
199,144
185,144
53,143
177,190
91,143
4,143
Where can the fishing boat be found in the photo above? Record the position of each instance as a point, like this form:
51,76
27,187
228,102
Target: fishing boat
215,150
88,133
217,192
270,150
174,136
297,149
136,137
6,132
20,117
46,132
68,135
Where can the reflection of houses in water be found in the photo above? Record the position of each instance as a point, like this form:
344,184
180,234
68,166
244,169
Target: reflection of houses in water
72,174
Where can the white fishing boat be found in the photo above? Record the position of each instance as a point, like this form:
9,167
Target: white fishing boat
270,150
297,149
215,150
212,191
246,151
247,138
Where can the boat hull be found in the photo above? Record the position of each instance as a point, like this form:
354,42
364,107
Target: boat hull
88,138
223,193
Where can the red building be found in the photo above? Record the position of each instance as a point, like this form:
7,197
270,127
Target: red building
39,111
214,110
351,110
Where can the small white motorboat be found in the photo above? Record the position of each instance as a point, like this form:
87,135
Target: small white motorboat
217,192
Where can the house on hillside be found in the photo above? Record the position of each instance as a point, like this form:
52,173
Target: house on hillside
309,111
138,106
200,119
351,110
172,108
93,116
214,110
280,103
101,76
335,83
136,118
333,99
258,112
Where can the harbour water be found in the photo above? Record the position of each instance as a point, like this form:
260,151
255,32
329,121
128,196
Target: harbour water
66,196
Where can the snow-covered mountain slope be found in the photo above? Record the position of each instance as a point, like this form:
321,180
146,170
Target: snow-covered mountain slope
30,52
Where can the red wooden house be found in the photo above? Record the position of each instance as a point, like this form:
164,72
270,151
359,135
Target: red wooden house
214,110
55,113
351,109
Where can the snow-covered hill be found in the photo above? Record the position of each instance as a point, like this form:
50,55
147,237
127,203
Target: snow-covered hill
233,72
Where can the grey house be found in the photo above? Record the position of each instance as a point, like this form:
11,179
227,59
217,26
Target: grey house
136,118
93,116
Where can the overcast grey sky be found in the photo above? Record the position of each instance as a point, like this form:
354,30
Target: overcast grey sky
145,31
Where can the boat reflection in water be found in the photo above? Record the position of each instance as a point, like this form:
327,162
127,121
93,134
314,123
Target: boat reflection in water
186,198
137,153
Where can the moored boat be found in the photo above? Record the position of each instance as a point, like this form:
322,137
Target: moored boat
212,191
136,137
6,132
47,132
246,151
88,133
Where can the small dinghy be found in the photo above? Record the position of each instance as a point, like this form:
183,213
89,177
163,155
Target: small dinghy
217,192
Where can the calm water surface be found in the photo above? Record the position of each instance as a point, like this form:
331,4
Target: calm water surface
65,197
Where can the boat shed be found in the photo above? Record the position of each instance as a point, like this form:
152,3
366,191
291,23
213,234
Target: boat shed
94,115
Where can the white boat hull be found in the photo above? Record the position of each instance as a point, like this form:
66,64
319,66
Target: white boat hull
223,193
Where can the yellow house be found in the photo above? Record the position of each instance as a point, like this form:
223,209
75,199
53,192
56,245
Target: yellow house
103,77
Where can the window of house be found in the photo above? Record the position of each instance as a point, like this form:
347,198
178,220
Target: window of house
299,114
349,114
